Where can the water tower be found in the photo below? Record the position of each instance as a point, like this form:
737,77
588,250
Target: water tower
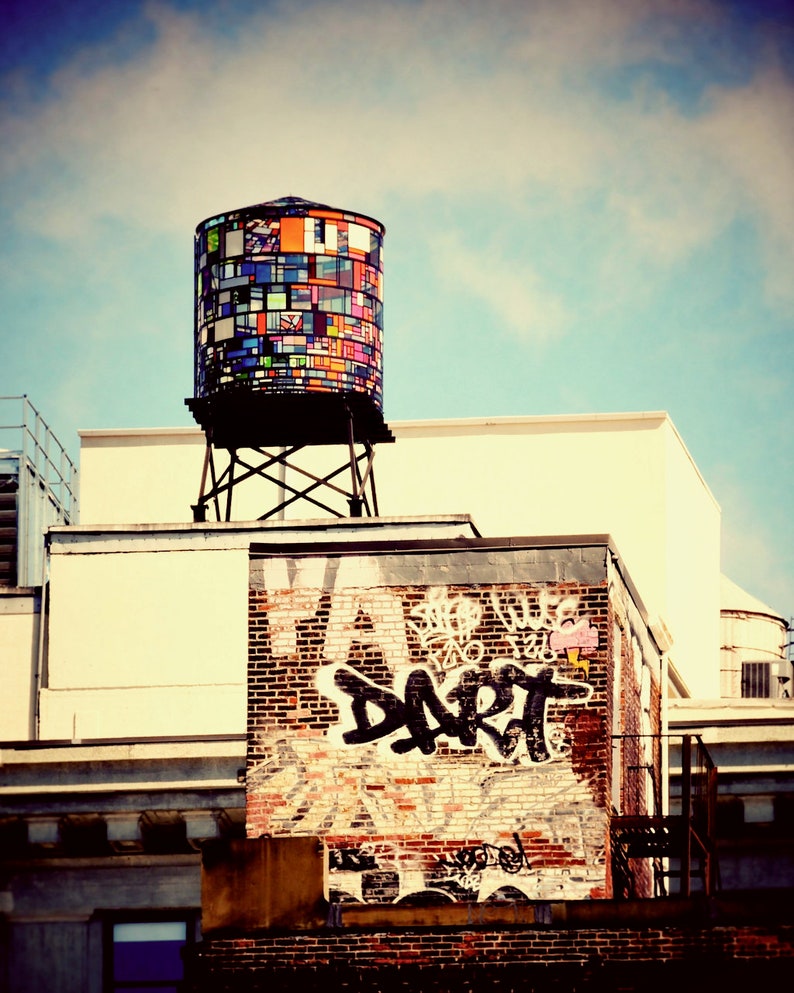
288,352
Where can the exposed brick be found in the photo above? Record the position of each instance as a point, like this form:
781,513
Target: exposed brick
406,811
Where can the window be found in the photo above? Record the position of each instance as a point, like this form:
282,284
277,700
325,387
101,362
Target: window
334,300
755,679
146,955
325,267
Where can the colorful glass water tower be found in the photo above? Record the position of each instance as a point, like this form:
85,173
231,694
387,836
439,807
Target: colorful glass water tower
288,349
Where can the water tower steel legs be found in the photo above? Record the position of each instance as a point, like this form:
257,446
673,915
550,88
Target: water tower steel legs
361,496
359,481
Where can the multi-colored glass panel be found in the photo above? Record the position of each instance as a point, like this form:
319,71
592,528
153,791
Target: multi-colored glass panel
289,299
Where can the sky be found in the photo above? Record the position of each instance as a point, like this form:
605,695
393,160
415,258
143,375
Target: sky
589,208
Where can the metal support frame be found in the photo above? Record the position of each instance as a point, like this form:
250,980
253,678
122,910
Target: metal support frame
360,497
687,837
40,481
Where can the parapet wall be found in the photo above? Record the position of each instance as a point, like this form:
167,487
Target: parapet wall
645,946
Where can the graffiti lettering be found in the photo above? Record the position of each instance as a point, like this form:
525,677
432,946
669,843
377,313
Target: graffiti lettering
479,857
364,695
445,626
503,709
528,629
351,860
286,608
383,608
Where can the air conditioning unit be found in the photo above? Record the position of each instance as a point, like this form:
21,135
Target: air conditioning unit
767,679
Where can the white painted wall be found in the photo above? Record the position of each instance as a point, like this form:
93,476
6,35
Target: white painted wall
692,569
19,625
628,475
147,636
140,477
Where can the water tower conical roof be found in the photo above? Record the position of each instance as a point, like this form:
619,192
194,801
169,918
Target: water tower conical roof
735,599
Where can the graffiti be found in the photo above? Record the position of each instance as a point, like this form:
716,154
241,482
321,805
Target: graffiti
479,871
528,630
572,637
363,799
352,859
445,627
383,609
385,613
537,629
479,857
503,709
447,687
434,736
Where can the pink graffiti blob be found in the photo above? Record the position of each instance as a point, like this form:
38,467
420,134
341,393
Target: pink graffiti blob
572,637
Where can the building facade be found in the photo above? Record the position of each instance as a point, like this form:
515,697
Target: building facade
451,717
453,706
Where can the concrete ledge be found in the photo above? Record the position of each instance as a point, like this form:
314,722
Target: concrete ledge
456,915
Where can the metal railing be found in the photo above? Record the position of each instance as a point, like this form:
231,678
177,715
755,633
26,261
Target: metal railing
36,466
698,790
644,835
637,768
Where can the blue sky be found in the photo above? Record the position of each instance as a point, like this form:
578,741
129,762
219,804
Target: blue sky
589,207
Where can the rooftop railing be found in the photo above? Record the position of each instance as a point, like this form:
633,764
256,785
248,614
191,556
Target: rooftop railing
38,488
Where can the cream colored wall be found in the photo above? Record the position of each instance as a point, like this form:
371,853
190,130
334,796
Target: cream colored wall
627,475
147,639
140,477
533,475
539,476
19,625
153,477
692,528
141,712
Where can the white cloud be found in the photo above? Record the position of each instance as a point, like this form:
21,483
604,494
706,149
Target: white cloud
750,133
507,288
476,106
363,98
575,35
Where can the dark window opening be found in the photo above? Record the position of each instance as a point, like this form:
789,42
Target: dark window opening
784,811
730,816
146,955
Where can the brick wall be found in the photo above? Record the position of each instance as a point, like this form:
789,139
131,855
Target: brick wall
444,720
635,719
504,959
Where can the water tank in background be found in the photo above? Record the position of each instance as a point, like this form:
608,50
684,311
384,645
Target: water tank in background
752,654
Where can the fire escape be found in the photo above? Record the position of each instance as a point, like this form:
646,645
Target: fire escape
652,847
